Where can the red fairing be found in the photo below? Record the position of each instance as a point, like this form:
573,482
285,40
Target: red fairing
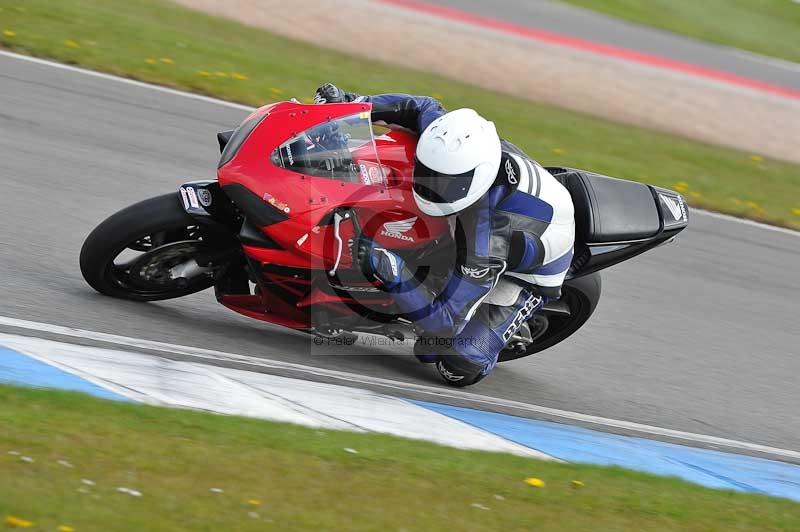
269,163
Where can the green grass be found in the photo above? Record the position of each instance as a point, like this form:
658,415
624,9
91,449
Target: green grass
167,44
301,478
768,27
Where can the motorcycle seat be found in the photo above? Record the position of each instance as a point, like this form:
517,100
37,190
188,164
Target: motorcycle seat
609,209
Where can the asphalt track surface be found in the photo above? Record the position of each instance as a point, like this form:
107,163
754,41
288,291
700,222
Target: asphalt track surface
591,26
698,336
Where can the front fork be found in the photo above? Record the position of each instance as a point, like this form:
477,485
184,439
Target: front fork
205,201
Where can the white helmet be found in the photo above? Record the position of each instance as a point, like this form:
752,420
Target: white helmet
458,156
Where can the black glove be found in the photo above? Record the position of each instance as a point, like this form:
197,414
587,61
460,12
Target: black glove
378,263
330,93
362,256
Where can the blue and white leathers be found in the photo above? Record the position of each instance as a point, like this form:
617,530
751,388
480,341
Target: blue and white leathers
520,232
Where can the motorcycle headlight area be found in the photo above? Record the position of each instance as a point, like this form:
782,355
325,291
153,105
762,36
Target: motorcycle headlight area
237,139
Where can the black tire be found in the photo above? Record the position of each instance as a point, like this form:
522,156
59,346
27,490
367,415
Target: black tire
581,295
158,215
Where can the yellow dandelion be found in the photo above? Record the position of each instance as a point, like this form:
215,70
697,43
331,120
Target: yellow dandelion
221,74
254,502
753,205
167,61
236,75
756,158
535,482
275,90
150,61
65,528
558,151
72,44
578,484
796,211
17,522
203,73
9,33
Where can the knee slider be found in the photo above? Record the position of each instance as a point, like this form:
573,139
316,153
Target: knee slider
459,371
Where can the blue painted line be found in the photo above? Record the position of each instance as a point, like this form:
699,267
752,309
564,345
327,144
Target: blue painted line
17,368
707,467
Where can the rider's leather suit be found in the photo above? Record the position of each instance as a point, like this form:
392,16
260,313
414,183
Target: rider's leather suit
514,248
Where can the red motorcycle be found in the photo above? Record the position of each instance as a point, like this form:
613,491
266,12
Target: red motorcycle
296,184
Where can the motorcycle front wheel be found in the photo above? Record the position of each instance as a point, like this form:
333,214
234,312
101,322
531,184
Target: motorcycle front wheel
150,251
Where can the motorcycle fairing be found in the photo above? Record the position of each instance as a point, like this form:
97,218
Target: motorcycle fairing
294,209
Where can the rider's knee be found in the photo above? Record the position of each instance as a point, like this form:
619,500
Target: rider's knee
458,370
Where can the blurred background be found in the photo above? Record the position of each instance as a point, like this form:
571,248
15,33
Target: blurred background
699,97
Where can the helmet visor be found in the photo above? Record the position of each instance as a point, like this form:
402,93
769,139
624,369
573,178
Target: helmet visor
437,187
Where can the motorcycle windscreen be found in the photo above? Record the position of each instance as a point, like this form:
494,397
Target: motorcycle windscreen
342,149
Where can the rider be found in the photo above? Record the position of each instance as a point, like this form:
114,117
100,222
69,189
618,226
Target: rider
514,232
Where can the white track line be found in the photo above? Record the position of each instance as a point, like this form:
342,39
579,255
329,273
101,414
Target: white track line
200,386
352,377
233,105
744,221
771,61
435,392
111,77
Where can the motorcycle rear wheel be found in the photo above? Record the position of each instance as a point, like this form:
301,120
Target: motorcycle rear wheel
581,296
163,234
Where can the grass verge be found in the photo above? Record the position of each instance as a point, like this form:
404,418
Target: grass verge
286,477
767,27
160,42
